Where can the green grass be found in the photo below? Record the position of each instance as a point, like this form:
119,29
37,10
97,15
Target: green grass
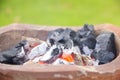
59,12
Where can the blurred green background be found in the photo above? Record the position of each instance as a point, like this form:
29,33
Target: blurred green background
60,12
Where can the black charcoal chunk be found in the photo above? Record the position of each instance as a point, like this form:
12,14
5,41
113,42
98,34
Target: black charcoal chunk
7,56
68,44
64,38
106,41
67,34
87,30
86,42
85,37
53,36
88,27
103,56
11,56
105,50
89,42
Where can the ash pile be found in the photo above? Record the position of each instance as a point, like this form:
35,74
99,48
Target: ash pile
64,46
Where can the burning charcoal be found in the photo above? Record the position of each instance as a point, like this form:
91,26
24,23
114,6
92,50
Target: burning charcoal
83,60
36,59
55,52
15,55
62,61
51,55
105,48
38,50
67,57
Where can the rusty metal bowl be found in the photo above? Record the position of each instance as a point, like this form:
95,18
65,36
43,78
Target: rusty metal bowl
11,34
